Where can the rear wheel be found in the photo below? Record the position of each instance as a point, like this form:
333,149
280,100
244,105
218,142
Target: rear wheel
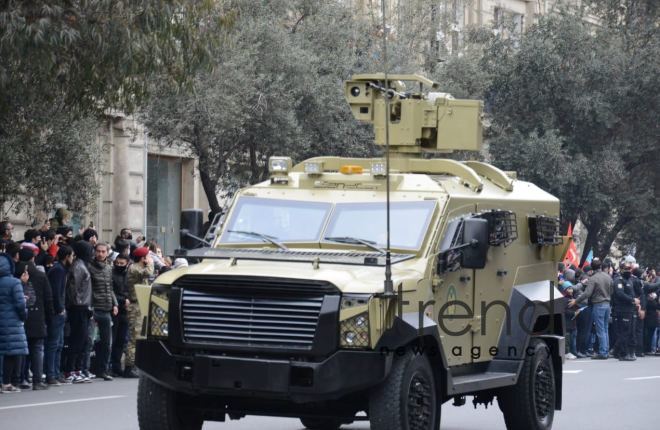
530,404
162,409
321,423
408,398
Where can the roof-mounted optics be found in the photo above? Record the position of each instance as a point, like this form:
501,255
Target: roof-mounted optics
279,169
280,165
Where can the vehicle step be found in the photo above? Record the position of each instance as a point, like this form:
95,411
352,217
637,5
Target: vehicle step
480,381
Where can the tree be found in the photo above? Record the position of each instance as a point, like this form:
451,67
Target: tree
587,95
65,62
43,166
275,89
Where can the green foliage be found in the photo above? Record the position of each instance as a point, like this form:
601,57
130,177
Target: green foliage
275,88
97,54
46,166
64,62
574,109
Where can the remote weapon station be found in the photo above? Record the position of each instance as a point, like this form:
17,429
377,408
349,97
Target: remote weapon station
346,289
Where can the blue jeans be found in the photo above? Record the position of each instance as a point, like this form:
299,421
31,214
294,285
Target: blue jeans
572,341
601,317
54,346
34,360
655,341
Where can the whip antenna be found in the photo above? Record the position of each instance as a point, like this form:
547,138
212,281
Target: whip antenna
389,286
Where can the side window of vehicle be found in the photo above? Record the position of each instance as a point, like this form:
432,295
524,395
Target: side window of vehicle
450,260
502,227
544,230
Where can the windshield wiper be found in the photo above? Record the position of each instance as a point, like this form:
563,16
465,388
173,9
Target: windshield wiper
264,237
356,241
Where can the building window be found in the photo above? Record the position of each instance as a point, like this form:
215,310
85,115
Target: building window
508,23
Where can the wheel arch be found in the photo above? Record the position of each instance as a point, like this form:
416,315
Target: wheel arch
406,334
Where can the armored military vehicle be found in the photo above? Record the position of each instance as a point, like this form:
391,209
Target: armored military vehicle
317,302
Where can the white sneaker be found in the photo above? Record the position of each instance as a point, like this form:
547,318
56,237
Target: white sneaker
570,356
78,378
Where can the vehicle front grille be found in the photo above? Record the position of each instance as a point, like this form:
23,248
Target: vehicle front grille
250,317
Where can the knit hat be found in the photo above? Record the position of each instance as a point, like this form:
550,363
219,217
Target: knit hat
89,233
83,250
569,275
20,268
25,254
30,246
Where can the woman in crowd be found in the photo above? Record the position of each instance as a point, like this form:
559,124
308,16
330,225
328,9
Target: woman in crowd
13,343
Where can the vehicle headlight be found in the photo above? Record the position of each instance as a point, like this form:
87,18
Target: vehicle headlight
354,332
158,311
354,324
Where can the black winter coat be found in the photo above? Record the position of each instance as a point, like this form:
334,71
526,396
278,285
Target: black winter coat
120,287
40,310
57,278
652,306
79,286
624,295
103,297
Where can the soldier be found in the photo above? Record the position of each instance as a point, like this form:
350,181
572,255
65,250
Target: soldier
138,273
625,307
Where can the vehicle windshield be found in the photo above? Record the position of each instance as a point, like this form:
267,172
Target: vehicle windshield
265,220
367,221
280,220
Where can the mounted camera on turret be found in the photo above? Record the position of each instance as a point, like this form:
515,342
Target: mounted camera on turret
419,122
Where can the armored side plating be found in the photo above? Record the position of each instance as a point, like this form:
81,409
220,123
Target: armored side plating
287,315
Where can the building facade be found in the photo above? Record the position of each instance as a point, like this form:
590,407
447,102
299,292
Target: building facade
143,186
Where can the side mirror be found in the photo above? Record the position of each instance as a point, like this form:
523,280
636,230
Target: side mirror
191,224
475,239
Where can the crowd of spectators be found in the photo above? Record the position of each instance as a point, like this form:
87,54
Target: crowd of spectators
613,312
68,306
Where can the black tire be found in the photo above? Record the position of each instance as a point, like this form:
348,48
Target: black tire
320,423
163,409
530,404
408,398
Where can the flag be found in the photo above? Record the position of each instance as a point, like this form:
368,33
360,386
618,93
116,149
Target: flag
571,254
589,259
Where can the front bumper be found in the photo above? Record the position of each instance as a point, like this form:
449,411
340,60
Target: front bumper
341,373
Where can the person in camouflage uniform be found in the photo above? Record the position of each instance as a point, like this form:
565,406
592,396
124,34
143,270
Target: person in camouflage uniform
138,273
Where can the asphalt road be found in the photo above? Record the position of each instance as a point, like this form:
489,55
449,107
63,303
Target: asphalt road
597,395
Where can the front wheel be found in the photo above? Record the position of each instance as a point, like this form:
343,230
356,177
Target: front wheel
162,409
408,398
530,404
